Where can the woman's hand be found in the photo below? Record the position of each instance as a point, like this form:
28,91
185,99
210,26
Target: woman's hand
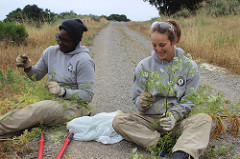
146,100
167,122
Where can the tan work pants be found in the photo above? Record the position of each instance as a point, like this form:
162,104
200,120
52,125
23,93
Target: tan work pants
137,128
48,112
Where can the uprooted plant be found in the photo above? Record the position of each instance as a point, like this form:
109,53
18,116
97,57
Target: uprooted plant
153,80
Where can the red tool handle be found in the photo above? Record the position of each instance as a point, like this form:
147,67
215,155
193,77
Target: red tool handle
41,143
66,142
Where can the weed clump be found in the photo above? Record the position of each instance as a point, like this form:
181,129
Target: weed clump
220,126
20,145
20,91
234,121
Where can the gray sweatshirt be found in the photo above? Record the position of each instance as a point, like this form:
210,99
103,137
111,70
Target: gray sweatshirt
185,81
74,71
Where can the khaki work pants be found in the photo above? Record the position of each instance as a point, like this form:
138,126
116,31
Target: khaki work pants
195,131
49,112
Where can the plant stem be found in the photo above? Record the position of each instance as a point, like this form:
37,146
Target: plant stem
8,139
10,112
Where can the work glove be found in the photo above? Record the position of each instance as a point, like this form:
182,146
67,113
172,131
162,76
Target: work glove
167,121
146,100
55,89
23,61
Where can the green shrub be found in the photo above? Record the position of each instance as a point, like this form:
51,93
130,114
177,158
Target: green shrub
10,76
14,33
183,13
88,40
118,17
223,7
2,79
95,18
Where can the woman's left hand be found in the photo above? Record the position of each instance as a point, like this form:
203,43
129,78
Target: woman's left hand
167,122
146,100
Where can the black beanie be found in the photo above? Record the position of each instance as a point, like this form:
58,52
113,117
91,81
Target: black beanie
75,29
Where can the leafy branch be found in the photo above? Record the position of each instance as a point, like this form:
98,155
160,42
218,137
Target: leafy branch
164,81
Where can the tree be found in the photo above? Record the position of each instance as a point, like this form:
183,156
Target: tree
169,7
67,15
118,17
15,15
33,12
30,13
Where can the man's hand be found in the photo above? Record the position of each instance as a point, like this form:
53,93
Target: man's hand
167,122
55,89
146,100
23,61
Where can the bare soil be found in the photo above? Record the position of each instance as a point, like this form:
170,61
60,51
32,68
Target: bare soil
116,51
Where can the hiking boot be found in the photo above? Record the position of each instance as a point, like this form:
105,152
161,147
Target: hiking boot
180,155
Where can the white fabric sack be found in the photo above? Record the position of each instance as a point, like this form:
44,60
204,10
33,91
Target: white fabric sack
97,127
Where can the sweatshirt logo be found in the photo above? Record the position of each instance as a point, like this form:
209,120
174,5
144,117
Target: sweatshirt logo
70,68
180,81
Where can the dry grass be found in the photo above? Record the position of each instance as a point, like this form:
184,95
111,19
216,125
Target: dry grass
213,40
39,39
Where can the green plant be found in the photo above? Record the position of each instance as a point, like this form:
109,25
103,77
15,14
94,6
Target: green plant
136,155
118,17
223,7
20,145
153,81
205,101
24,90
12,33
31,14
219,151
10,76
88,40
2,79
165,143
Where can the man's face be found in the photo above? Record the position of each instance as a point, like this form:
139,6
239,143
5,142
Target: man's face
65,42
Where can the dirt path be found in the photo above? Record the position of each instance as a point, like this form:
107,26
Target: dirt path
116,51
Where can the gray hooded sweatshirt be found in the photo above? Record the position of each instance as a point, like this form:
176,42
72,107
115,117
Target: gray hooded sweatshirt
74,71
186,80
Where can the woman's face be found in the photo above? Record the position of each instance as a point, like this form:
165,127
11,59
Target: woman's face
65,42
163,46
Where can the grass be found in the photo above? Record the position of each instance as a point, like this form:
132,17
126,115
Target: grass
212,40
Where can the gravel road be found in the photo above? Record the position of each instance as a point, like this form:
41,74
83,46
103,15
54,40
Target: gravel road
116,52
